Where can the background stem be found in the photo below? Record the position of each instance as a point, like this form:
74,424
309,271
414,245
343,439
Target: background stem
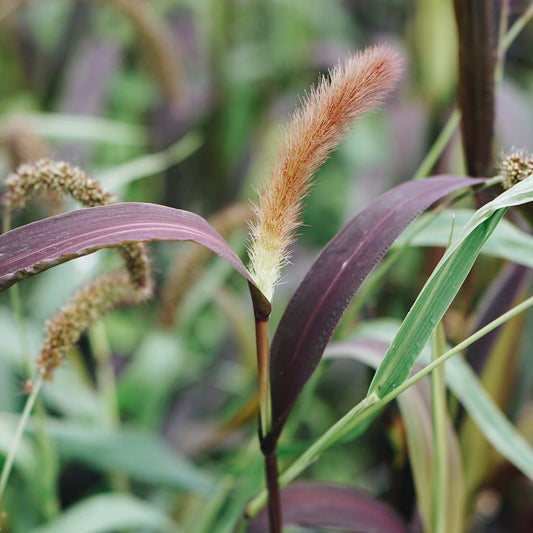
274,505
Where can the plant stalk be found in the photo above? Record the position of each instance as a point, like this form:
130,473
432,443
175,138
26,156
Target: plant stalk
6,470
439,474
265,416
274,505
263,372
373,404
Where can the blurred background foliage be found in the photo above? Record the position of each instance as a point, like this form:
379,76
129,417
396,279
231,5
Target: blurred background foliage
151,423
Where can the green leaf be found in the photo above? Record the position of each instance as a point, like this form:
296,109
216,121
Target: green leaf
144,457
507,241
415,408
441,288
82,127
465,385
109,513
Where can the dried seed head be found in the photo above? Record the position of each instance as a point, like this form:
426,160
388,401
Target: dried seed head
45,175
515,167
359,83
102,295
85,307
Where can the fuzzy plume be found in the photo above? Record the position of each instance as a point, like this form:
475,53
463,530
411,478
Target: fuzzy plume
358,84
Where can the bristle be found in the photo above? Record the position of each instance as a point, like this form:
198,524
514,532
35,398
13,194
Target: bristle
361,82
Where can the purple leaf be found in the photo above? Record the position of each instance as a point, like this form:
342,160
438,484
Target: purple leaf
319,302
33,248
321,506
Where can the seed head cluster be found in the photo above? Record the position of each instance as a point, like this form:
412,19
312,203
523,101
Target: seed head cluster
89,304
44,176
358,84
132,286
515,167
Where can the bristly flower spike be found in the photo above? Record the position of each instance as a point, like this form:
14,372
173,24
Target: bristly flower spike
358,84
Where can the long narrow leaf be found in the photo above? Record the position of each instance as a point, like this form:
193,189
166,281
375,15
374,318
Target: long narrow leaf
441,288
332,508
507,241
322,297
465,385
415,408
33,248
110,512
143,457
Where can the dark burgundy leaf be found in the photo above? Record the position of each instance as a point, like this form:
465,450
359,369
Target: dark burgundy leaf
319,302
321,506
476,82
30,249
498,300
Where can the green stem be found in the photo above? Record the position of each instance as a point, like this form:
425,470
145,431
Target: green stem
438,146
6,469
439,474
500,54
517,27
373,404
48,454
105,378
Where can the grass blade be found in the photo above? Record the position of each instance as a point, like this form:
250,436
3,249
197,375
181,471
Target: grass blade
324,294
33,248
332,507
441,288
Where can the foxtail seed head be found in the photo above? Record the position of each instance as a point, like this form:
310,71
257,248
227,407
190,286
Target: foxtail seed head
133,286
515,167
359,83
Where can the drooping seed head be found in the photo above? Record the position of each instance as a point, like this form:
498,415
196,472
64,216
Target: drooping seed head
354,86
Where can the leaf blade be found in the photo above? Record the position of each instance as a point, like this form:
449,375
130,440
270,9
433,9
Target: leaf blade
323,295
441,287
30,249
321,505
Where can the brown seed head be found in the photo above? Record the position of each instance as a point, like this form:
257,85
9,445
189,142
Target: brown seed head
45,175
104,294
107,292
359,83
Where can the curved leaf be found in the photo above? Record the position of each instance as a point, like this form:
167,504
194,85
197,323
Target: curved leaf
109,512
441,288
415,408
322,506
465,385
507,242
33,248
322,297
